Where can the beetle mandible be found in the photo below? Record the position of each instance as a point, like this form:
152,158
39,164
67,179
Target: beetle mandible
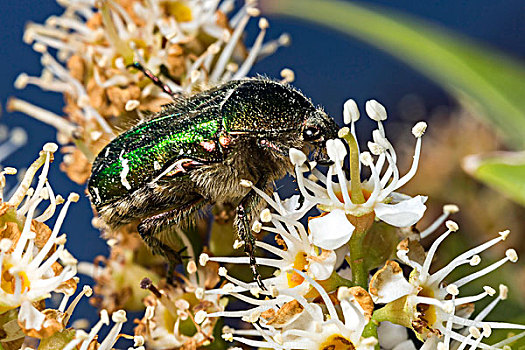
197,150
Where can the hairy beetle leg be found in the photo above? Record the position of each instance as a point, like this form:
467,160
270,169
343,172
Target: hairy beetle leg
242,223
148,232
265,143
152,231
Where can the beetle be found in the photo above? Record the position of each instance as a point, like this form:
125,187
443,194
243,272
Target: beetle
197,150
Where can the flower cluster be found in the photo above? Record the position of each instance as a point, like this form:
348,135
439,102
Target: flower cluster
34,264
191,44
354,277
322,293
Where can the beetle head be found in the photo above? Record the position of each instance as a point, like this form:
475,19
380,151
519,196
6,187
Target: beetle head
317,128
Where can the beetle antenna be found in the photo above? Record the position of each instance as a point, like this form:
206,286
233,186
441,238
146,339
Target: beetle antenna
155,79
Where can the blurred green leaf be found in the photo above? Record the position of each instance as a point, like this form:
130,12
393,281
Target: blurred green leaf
492,81
380,244
504,171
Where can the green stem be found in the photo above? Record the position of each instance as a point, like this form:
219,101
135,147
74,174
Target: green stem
393,312
371,331
357,259
381,315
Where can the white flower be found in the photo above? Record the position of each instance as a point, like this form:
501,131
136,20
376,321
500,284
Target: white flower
171,309
95,43
84,341
358,199
297,253
428,305
298,324
29,250
394,337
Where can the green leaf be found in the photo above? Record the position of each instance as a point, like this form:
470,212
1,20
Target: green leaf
58,340
490,80
503,171
379,244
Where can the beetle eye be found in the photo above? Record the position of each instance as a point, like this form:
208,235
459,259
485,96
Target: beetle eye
311,133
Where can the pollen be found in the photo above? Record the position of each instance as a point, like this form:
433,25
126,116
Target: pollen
300,263
337,342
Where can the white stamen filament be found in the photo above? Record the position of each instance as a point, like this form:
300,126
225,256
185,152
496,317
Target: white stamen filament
413,168
51,241
254,51
438,276
43,115
230,46
435,225
424,275
104,320
50,210
480,273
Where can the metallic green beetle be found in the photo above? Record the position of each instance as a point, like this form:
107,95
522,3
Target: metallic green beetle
196,152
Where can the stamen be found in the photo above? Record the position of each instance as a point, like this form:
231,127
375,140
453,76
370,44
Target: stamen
355,176
438,276
230,46
45,116
73,197
447,210
413,168
113,35
119,317
254,51
104,319
87,291
424,275
483,272
395,177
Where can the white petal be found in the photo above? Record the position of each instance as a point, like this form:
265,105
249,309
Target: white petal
331,231
341,253
322,269
30,316
294,210
353,315
389,284
306,321
403,214
391,335
406,345
396,288
400,197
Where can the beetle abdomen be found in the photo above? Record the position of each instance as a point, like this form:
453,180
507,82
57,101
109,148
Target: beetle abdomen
137,156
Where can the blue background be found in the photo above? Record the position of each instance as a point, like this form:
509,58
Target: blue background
329,67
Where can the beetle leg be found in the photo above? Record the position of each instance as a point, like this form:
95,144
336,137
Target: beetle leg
148,232
156,80
243,220
265,143
156,231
